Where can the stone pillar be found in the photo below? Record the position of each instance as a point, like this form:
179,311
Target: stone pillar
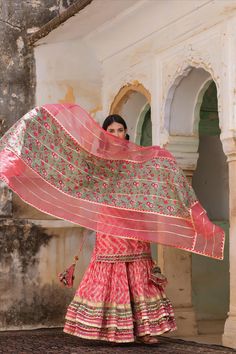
229,336
175,263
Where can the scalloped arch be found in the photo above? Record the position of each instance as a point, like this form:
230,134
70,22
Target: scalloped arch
124,93
183,100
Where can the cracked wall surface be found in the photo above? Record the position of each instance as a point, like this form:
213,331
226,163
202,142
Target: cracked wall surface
19,19
27,299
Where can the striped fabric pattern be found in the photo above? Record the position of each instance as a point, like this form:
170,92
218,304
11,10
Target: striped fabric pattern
116,301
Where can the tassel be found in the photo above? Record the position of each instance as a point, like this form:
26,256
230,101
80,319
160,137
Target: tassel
157,277
67,277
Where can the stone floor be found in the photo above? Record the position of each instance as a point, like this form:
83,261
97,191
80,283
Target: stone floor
54,341
204,339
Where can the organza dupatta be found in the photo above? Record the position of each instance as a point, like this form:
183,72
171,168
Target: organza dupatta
59,160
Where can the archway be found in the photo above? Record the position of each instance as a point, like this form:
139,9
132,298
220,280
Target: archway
131,103
183,102
189,110
210,278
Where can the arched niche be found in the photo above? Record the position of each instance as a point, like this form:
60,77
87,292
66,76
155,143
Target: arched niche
194,138
210,278
181,113
131,103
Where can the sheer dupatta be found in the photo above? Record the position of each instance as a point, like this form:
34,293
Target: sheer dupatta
59,160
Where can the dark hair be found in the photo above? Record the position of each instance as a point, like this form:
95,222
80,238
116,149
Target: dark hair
115,118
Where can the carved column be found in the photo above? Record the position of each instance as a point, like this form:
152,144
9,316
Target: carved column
229,336
177,264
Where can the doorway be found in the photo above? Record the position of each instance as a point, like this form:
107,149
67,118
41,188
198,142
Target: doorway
210,278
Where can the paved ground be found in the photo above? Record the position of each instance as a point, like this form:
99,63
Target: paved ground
54,341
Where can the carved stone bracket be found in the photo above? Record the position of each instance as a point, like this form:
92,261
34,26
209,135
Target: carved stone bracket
229,145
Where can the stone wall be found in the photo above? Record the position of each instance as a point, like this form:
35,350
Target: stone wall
19,19
30,295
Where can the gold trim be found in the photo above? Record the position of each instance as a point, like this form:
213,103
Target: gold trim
102,303
98,337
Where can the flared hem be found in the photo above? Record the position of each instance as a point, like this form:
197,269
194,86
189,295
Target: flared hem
119,324
117,302
105,339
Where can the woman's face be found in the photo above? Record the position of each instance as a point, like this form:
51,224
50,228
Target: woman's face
117,129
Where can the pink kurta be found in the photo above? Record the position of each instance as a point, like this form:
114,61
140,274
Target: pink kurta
116,301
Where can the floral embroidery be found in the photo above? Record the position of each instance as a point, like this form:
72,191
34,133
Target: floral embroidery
50,151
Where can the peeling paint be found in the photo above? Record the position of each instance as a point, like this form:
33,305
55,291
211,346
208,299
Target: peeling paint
97,109
3,126
23,237
5,200
36,3
69,96
32,30
20,44
53,8
228,10
40,307
25,302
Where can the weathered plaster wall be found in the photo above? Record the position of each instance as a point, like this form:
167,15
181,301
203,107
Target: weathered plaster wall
68,72
32,251
19,246
18,19
31,259
162,63
158,55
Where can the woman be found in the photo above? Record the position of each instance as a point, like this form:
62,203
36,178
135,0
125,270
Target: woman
116,300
